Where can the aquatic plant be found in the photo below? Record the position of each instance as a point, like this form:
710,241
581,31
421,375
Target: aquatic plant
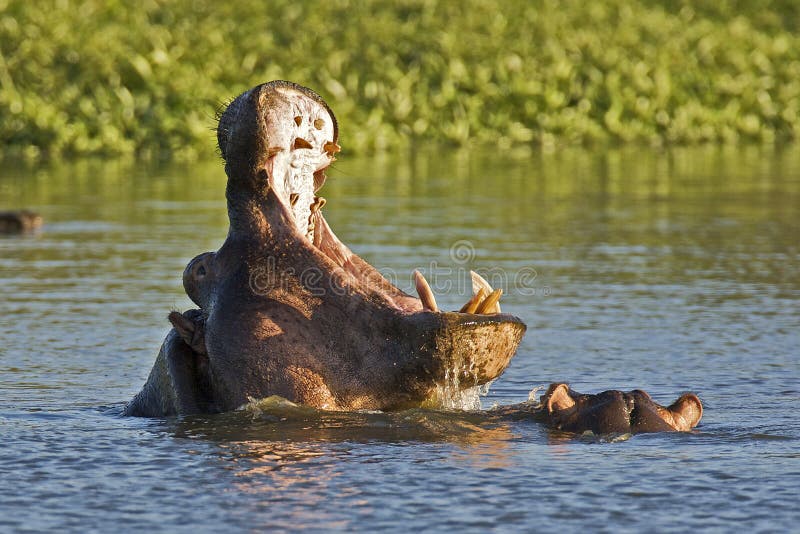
144,78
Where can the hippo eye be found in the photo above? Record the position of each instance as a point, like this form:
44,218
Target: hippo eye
201,271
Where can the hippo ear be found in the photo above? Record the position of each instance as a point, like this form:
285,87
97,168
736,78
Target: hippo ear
643,393
558,398
183,326
686,411
188,331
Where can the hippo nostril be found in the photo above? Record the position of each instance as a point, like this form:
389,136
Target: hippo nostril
293,198
201,271
301,143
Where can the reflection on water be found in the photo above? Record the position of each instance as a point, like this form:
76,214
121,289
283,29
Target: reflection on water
275,419
267,439
662,270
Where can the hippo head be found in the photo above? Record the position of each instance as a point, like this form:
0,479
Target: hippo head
289,310
17,222
617,412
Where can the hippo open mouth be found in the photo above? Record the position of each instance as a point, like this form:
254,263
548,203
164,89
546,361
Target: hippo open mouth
287,309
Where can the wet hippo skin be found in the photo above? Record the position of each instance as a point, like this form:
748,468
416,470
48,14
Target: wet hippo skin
286,308
615,411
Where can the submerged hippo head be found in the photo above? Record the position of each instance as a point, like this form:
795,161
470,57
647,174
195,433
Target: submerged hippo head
16,222
289,310
617,412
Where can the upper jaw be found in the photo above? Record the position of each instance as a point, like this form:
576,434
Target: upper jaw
299,146
277,137
296,136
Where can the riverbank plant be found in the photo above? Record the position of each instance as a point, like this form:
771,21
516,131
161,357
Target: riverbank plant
144,78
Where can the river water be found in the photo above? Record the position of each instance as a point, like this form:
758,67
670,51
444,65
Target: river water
669,271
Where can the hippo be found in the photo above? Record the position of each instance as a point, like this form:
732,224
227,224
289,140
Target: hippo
17,222
609,412
285,308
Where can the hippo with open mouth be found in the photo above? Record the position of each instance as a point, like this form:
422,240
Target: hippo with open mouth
285,308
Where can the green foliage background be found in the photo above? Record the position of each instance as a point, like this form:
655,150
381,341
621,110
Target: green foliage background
144,78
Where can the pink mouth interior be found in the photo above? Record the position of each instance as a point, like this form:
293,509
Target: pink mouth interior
301,145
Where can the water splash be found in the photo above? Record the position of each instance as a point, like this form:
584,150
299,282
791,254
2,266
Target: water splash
274,405
455,394
590,437
532,394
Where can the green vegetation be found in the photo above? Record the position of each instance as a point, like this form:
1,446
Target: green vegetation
144,78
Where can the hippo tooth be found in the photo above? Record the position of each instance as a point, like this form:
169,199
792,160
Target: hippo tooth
425,293
298,120
331,148
319,124
317,205
271,151
301,143
489,305
479,282
472,304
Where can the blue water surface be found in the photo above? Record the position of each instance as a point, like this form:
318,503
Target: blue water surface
669,271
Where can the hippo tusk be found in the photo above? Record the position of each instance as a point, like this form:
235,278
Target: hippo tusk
425,293
472,304
479,282
489,305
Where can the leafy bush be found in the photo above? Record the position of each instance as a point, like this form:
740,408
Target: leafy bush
111,77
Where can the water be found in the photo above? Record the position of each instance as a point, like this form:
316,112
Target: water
667,271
